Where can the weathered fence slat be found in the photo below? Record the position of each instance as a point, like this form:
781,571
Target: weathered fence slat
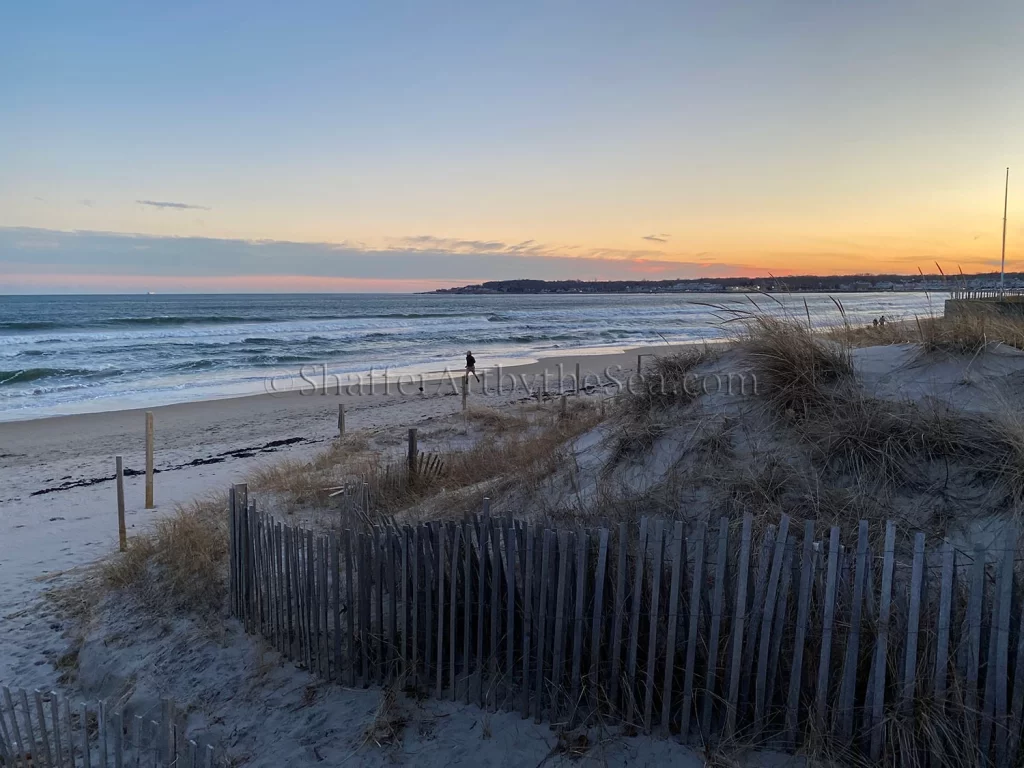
999,673
634,621
7,749
393,543
440,533
802,614
510,615
379,539
753,627
717,606
847,690
828,620
481,660
582,550
596,626
652,632
495,601
678,565
1017,708
778,626
972,649
944,622
619,618
738,623
767,620
881,644
325,611
350,612
913,625
467,609
453,678
542,614
15,728
988,698
83,713
31,745
692,627
429,576
528,618
565,557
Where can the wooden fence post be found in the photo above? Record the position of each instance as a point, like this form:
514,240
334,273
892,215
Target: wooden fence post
149,460
465,390
413,451
579,381
122,534
341,420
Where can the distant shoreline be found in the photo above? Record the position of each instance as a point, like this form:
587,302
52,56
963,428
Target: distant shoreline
885,283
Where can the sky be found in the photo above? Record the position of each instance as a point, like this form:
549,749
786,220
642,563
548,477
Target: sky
395,146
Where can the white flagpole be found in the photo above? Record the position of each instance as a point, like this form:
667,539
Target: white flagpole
1006,197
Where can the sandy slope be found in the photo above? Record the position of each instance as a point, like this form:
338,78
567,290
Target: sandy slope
266,712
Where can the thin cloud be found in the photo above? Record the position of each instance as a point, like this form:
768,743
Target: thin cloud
656,238
163,205
87,203
39,251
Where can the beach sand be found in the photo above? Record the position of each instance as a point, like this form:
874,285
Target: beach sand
58,518
58,507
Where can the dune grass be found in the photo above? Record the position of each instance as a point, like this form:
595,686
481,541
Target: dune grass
962,333
181,564
884,446
667,381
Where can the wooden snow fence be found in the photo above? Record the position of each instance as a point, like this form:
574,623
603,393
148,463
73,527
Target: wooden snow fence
864,642
46,730
355,501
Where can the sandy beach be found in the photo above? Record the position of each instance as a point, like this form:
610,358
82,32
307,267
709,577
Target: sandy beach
58,519
57,495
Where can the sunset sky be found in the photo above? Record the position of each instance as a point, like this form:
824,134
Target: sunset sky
409,145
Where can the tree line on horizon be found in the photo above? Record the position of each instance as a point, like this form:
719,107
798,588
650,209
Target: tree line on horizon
792,283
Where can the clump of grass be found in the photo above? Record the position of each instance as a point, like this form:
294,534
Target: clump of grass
388,722
969,332
966,332
180,565
667,382
309,483
761,487
497,421
796,369
510,446
520,457
635,438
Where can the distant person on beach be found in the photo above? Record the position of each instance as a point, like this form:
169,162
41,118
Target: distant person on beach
471,365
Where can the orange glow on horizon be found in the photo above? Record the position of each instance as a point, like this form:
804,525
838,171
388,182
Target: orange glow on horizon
221,284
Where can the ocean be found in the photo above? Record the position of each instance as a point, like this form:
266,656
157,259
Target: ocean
75,354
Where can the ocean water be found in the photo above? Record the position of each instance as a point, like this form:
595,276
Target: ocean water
73,354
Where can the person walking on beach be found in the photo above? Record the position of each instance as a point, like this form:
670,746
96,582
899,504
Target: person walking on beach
471,365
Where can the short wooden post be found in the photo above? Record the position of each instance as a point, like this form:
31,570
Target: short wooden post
149,460
639,366
579,381
341,420
122,533
412,452
465,390
563,406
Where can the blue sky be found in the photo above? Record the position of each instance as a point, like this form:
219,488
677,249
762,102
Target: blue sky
783,137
